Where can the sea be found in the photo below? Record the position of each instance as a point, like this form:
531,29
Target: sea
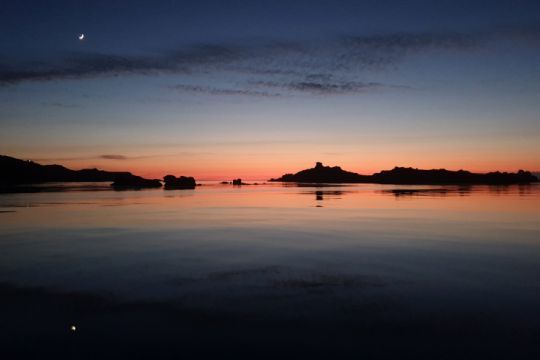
271,270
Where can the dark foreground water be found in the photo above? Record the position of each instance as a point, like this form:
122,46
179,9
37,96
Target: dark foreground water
361,271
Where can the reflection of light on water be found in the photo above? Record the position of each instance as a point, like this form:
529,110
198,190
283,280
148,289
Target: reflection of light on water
362,229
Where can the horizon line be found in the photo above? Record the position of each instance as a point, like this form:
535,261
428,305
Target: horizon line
268,177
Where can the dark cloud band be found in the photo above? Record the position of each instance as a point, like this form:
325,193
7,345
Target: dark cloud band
292,63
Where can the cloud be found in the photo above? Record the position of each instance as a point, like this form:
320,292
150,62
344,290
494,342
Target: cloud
89,65
312,84
381,51
79,66
327,84
332,88
93,157
221,91
414,41
264,59
113,157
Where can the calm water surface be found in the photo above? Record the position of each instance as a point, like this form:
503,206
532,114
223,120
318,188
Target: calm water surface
335,255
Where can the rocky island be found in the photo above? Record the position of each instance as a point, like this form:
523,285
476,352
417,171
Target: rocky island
324,174
235,182
183,182
407,176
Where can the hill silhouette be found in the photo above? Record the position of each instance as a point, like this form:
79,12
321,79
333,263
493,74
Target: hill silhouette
23,172
324,174
404,176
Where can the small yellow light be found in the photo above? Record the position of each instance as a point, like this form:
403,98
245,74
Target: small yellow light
73,328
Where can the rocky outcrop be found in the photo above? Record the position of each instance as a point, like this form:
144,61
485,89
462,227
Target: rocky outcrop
183,182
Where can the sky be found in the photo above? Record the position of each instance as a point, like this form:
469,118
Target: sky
255,89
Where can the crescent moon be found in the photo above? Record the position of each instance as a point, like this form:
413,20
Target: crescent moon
81,37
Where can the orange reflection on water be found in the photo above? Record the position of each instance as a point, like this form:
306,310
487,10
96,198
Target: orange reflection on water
212,205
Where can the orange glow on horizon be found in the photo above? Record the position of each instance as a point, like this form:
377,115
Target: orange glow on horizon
264,169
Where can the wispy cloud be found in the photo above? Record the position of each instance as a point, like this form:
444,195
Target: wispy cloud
332,88
221,91
113,157
329,87
93,157
82,65
324,84
414,41
292,61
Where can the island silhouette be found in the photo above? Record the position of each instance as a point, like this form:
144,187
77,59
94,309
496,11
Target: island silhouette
183,182
16,174
406,176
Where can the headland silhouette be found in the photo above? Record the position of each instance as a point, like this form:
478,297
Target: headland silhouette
19,176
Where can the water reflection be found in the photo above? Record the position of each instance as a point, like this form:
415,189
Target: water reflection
264,252
522,190
326,192
321,195
434,192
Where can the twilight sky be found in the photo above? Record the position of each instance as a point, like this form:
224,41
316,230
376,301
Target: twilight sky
216,89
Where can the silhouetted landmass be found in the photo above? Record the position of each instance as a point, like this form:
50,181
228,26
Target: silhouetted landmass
236,182
324,174
16,172
135,182
402,175
183,182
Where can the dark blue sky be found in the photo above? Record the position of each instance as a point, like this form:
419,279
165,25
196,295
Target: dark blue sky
367,84
44,28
